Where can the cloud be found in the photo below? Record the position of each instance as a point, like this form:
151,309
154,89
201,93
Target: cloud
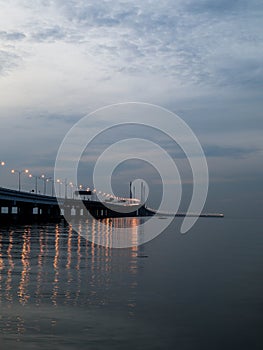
62,59
217,7
8,61
232,152
49,34
194,43
12,36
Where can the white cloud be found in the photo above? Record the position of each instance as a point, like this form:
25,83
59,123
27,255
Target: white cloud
67,57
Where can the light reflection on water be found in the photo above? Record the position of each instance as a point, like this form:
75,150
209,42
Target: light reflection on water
46,270
197,291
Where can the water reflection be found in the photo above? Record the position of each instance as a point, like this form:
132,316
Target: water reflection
41,252
56,267
23,291
1,268
68,265
52,265
11,266
107,233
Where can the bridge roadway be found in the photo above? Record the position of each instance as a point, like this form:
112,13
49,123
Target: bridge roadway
26,206
16,205
7,194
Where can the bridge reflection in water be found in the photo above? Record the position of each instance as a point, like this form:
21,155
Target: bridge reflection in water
52,266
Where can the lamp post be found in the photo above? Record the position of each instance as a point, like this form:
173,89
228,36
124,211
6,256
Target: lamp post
49,179
43,177
2,163
59,182
19,172
74,188
66,188
35,177
71,189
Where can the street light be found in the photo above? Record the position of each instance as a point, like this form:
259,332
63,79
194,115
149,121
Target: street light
35,177
71,189
19,172
74,189
49,179
59,182
43,177
2,163
66,188
45,180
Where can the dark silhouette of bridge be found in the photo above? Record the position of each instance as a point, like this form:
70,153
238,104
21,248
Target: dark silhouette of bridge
27,206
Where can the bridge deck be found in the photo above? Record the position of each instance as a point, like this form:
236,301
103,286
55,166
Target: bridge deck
26,204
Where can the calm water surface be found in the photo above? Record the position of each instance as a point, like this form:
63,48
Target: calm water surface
203,290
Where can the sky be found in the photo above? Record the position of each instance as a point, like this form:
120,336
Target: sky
62,59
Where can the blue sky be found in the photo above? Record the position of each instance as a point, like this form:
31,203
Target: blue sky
60,60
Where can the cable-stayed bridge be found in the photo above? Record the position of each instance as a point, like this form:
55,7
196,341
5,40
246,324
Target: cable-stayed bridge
26,206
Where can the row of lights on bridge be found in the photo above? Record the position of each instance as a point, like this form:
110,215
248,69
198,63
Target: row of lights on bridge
58,181
41,177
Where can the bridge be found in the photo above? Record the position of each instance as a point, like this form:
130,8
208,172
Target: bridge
16,205
28,206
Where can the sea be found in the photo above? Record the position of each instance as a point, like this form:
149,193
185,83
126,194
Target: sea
200,290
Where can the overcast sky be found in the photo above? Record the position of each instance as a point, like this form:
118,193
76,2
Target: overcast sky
61,59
